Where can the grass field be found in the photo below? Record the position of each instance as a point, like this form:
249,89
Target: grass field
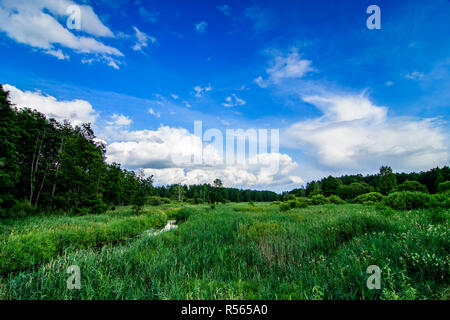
235,251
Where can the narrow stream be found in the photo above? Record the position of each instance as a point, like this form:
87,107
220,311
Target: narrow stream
171,224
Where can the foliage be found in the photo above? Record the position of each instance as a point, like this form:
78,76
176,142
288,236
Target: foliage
407,200
319,199
369,198
335,199
443,187
349,192
301,202
411,186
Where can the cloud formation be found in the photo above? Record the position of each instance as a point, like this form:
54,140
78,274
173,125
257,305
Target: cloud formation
162,153
200,27
233,101
355,134
37,24
290,66
76,111
143,40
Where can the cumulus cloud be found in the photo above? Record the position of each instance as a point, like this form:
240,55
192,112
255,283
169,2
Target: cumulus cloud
283,67
37,24
143,40
353,133
154,113
120,120
167,154
233,101
200,27
75,111
200,91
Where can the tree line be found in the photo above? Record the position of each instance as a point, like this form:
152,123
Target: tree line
348,187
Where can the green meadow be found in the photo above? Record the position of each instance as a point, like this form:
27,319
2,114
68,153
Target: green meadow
233,251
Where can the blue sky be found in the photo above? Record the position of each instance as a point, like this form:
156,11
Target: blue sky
345,98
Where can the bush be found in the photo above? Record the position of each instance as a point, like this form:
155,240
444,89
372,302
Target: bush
348,192
443,187
212,206
407,200
319,199
292,203
335,199
302,202
251,203
165,200
154,201
369,198
411,186
440,200
184,213
285,207
21,209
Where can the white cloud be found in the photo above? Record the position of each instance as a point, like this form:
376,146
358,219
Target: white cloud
37,24
283,67
200,91
120,120
154,113
200,27
75,111
142,40
415,75
233,101
159,152
225,9
388,83
355,134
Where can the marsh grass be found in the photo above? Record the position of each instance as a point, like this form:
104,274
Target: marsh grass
319,252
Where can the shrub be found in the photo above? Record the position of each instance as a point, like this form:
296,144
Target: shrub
212,206
302,202
251,203
154,201
440,200
285,207
319,199
292,203
335,199
21,209
443,187
348,192
407,200
184,214
369,198
411,186
172,213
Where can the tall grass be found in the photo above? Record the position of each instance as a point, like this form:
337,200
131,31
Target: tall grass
320,252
